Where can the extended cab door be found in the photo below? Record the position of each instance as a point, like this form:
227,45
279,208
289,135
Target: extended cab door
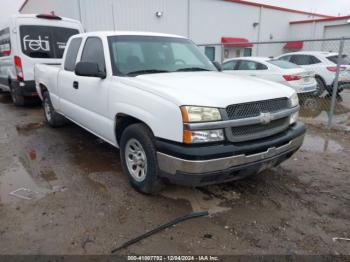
88,96
64,97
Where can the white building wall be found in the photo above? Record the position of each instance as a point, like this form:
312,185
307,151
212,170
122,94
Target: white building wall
322,30
140,15
96,15
204,21
67,8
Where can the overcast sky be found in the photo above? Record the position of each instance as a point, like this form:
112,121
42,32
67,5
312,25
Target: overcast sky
331,7
9,7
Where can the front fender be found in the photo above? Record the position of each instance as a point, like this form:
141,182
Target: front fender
164,121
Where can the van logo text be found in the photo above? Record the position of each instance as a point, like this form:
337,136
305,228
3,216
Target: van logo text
36,44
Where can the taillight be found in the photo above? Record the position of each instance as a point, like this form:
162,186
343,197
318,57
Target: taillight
291,77
334,68
19,71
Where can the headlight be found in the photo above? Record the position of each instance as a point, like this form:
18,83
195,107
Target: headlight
203,136
192,114
294,100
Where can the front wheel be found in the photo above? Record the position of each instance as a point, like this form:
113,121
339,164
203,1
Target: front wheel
139,159
52,118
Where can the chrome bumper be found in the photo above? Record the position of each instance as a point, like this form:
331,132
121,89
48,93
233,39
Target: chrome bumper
171,165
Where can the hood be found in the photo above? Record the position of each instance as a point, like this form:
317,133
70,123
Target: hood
212,89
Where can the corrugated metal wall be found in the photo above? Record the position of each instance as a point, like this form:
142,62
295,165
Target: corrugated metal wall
97,15
67,8
204,21
141,15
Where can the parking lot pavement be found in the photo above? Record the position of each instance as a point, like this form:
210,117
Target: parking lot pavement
62,192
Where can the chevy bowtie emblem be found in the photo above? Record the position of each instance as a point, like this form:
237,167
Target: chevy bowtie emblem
265,118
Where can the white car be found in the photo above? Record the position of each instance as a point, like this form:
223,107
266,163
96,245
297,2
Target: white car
302,81
324,65
26,40
173,115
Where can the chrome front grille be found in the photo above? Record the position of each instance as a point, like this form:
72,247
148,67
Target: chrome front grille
253,110
245,133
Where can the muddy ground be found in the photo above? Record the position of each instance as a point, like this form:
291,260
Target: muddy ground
79,202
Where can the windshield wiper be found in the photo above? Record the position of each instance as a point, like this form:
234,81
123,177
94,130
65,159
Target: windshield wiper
148,71
189,69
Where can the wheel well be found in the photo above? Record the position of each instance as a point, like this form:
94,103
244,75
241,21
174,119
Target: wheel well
320,77
43,88
122,122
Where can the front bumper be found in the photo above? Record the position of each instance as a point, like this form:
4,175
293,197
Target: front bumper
203,165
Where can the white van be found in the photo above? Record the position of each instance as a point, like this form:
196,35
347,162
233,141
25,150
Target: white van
27,40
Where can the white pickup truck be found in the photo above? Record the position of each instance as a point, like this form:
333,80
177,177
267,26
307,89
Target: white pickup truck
172,114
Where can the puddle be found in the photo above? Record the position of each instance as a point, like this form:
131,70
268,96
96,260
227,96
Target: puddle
18,181
90,153
318,144
3,135
99,186
27,128
204,199
48,175
318,107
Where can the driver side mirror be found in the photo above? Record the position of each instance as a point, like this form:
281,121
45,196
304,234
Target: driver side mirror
89,69
217,65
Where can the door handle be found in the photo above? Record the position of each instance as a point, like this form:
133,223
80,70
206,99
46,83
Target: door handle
75,85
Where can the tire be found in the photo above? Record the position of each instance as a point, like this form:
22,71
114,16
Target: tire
17,99
52,118
321,86
137,145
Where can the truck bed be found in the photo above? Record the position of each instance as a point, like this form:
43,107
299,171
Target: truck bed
46,75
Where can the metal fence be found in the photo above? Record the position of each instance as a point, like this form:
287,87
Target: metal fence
330,104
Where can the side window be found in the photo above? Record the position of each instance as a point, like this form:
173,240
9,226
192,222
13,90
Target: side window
72,54
93,52
5,43
285,58
304,60
230,65
251,65
314,60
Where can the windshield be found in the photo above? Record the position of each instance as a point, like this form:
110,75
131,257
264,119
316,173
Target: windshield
283,64
345,60
45,41
135,55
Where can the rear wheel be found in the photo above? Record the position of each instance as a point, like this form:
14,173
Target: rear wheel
52,118
17,98
321,87
139,159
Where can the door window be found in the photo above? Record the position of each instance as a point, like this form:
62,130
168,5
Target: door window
72,54
251,65
231,65
93,53
285,58
304,60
